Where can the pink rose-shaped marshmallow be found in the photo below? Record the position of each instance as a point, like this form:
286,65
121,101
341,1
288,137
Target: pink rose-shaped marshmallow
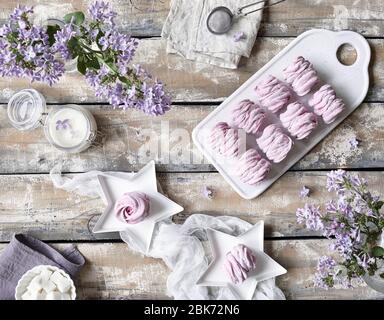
301,76
298,120
239,262
132,207
272,94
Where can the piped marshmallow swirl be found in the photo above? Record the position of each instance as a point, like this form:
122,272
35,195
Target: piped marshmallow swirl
272,94
326,104
298,120
301,76
239,262
252,168
274,143
225,140
248,116
132,207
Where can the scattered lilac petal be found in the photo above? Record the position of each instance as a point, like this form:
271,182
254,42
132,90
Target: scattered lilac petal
304,192
354,143
208,192
240,35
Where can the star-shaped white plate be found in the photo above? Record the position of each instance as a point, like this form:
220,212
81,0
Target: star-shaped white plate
221,243
161,207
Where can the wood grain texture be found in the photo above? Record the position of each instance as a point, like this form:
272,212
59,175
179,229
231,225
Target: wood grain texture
188,81
146,17
30,203
113,271
132,138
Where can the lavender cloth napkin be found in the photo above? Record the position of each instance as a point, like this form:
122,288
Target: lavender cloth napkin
25,252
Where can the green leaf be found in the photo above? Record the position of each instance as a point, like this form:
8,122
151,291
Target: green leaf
81,65
92,62
51,31
378,205
76,17
73,47
378,251
99,35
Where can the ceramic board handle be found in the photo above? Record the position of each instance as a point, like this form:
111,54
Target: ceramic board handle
361,46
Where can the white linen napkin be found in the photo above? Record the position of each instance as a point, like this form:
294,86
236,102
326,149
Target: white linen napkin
187,34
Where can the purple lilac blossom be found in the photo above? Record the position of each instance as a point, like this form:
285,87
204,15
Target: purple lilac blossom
345,224
62,124
344,207
325,269
128,88
152,99
141,72
101,12
123,44
20,13
335,181
304,192
357,181
354,143
331,207
333,226
27,53
30,55
61,41
208,192
365,261
240,35
311,216
343,244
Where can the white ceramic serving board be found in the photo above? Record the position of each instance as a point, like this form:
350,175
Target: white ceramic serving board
319,47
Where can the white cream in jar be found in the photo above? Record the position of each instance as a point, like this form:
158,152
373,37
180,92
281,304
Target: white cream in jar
70,128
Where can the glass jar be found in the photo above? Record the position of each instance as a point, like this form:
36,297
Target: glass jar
70,128
26,109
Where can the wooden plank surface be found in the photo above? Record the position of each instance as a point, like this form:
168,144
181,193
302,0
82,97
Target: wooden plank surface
130,139
187,80
113,271
29,203
146,17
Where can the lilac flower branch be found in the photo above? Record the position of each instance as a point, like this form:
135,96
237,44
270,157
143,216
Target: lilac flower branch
354,223
103,54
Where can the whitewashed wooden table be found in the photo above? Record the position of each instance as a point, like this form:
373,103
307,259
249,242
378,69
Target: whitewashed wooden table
29,202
